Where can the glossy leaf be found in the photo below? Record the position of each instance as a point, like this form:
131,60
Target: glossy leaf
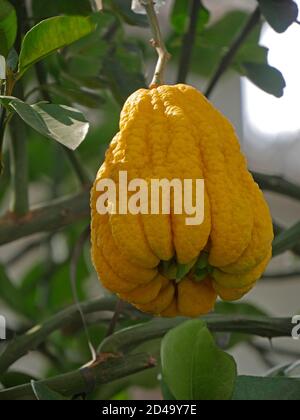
50,35
193,367
66,125
8,27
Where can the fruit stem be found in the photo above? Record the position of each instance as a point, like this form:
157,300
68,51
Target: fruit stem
158,43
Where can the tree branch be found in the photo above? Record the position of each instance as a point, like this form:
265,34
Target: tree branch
82,381
188,42
48,218
128,339
277,184
21,345
19,167
234,48
287,240
158,44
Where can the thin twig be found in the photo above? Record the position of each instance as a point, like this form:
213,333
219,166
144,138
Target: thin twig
234,48
77,252
113,323
188,42
158,44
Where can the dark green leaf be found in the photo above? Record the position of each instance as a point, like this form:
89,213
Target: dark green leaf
265,77
66,125
12,378
167,394
193,367
50,35
8,27
43,393
280,14
266,389
123,71
76,96
44,8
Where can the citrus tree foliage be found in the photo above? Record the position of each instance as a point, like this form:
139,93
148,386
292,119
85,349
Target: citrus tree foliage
66,69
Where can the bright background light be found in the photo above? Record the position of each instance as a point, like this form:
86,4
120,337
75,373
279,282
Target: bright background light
272,125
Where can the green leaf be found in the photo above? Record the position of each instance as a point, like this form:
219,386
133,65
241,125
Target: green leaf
280,14
180,17
50,35
266,77
9,293
166,393
76,96
123,74
266,389
193,367
43,393
44,8
14,378
66,125
8,27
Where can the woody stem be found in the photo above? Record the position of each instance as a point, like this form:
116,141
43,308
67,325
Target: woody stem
158,43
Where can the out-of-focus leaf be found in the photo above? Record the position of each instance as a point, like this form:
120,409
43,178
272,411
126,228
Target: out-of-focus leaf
280,14
66,125
250,388
266,77
243,309
76,96
180,16
213,42
193,367
8,27
13,378
252,53
12,59
9,293
123,71
50,35
247,309
43,393
123,9
44,8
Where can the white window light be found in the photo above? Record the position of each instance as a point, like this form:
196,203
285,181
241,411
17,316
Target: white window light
263,112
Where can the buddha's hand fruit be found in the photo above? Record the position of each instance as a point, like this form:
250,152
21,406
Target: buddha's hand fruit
157,262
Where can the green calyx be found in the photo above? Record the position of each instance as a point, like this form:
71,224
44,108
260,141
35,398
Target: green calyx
199,268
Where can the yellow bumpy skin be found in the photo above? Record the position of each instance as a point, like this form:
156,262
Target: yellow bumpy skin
156,261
